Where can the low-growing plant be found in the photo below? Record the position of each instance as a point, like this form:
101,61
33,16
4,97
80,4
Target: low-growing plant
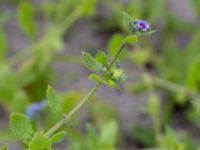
105,71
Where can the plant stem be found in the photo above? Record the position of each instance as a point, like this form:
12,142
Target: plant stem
174,87
117,55
83,101
71,113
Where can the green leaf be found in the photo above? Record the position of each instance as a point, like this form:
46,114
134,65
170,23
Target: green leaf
102,58
114,44
40,142
156,11
54,101
171,141
109,133
144,135
57,137
91,63
142,33
89,7
25,16
193,78
22,99
21,127
131,39
128,21
154,106
3,44
97,78
137,88
4,17
92,139
4,147
8,83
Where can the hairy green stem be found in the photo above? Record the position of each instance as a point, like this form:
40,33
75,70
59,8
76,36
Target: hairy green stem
174,87
71,113
117,55
67,117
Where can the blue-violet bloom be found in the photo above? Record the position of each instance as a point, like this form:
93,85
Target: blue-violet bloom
142,25
35,108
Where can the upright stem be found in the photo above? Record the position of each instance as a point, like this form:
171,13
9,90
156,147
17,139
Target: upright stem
67,117
117,55
71,113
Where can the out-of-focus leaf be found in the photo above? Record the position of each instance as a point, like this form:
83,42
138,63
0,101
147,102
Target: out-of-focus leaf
3,44
140,57
76,138
156,11
4,17
92,139
22,99
128,21
4,147
114,44
57,137
21,127
154,105
8,83
137,88
193,79
144,135
171,141
193,113
91,63
40,142
89,7
109,133
196,5
102,113
25,19
193,48
54,101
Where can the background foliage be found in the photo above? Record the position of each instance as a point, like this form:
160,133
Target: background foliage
41,44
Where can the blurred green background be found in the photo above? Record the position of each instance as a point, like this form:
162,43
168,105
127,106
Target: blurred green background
158,107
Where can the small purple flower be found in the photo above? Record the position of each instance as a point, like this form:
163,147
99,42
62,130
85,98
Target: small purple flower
142,25
35,108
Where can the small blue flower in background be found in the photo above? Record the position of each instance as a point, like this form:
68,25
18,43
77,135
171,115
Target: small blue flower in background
142,25
34,108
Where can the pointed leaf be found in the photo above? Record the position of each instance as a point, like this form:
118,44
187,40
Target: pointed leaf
92,138
3,44
114,44
128,21
91,63
25,16
109,133
54,101
4,147
57,137
102,58
21,127
40,142
131,39
97,78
